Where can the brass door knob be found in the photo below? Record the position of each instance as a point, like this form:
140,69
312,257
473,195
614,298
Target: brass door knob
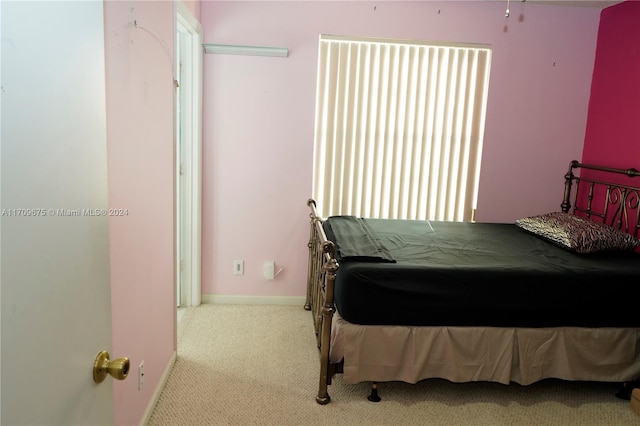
118,368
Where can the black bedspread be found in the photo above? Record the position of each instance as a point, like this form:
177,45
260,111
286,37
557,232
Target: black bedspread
479,274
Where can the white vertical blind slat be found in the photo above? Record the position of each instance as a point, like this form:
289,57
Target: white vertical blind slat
377,195
351,113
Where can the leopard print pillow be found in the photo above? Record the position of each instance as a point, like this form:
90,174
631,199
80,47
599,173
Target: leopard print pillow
578,234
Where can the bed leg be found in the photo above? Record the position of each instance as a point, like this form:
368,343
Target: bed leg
626,388
373,396
323,399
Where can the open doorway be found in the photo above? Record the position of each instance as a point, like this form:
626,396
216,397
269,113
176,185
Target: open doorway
188,53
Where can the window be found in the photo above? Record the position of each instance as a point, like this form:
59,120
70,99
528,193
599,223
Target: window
399,128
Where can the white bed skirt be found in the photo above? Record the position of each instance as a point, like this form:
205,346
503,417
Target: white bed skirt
495,354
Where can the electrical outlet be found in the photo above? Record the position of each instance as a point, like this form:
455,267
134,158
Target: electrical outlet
141,375
269,270
238,267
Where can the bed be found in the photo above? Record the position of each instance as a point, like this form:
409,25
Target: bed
548,296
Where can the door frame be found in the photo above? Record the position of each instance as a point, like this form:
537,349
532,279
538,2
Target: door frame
189,160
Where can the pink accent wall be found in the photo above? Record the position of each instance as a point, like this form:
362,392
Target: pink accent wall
140,129
613,126
259,117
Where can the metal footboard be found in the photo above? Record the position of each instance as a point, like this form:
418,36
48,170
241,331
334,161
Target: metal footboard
320,283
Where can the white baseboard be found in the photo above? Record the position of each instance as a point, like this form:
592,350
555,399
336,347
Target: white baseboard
253,300
158,390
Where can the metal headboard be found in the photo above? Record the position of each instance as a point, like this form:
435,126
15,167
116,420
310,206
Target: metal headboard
613,203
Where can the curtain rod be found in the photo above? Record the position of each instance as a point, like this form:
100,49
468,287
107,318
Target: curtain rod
230,49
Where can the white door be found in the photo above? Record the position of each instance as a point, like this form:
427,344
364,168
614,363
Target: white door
56,310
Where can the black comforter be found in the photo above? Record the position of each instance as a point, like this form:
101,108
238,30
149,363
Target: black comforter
432,273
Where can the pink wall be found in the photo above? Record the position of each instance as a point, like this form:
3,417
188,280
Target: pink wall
140,158
259,116
613,127
194,7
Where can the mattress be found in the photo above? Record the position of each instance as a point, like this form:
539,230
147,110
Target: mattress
436,273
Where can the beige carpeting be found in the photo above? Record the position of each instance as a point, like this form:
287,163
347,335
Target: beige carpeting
259,365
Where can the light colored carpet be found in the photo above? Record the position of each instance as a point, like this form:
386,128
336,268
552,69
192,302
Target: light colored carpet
259,365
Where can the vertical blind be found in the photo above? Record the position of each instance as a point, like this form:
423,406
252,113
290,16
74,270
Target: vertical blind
399,127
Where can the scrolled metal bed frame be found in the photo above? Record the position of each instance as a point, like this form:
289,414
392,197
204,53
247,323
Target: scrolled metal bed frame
619,209
619,200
